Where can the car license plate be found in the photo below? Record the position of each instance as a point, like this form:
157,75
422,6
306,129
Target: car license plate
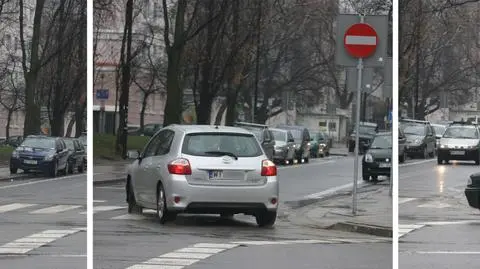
457,152
215,174
385,165
30,161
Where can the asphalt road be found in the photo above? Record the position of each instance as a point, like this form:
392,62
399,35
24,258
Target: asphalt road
41,223
437,227
139,241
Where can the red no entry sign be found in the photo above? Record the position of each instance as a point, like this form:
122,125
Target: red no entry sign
360,40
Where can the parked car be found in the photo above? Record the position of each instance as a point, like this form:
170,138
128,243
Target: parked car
421,140
461,141
76,155
301,136
40,153
148,129
263,134
284,146
402,141
203,169
320,144
472,191
367,131
377,161
15,140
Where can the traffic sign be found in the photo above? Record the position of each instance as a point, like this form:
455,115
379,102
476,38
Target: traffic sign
102,94
360,40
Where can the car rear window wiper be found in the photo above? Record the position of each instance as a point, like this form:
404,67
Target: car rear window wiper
221,153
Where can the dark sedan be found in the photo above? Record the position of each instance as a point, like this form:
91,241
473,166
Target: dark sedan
472,192
378,159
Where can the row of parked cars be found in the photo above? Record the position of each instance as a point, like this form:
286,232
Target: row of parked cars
287,144
50,155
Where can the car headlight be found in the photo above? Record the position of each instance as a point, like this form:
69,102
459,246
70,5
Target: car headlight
443,146
322,145
417,141
469,181
49,157
15,154
368,158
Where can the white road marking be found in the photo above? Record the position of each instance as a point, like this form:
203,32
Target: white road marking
183,255
405,200
111,188
99,201
55,209
442,223
130,217
435,204
415,163
15,206
404,229
34,241
97,209
41,181
304,165
167,261
450,252
332,191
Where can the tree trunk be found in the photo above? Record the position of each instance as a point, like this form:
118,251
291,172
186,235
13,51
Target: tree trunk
121,143
174,108
79,119
221,111
142,112
71,122
9,120
231,105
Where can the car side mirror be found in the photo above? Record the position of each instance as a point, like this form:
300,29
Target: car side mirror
133,154
291,140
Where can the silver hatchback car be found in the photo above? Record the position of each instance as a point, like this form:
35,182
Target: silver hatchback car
203,169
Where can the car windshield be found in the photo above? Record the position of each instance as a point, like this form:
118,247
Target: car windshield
382,142
414,129
279,135
439,130
44,143
366,130
208,144
70,144
321,136
461,132
297,135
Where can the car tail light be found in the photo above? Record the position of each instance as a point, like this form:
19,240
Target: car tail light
180,167
269,169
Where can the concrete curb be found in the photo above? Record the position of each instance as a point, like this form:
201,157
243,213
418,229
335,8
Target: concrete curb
22,177
370,229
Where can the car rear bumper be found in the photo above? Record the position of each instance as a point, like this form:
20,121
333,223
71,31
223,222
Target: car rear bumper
470,154
43,166
280,155
217,199
416,149
473,196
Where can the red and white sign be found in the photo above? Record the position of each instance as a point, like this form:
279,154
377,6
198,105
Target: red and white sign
360,40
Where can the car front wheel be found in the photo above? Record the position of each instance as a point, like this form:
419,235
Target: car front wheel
132,203
163,215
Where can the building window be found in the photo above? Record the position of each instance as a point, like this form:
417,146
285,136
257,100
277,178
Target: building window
157,10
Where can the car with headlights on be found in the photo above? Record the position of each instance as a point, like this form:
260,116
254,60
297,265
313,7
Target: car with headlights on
366,133
461,141
301,136
40,153
263,134
202,169
472,191
284,146
421,139
320,144
377,161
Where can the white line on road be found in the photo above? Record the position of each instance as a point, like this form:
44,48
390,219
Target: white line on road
304,165
97,209
40,181
404,229
34,241
405,200
55,209
332,191
11,207
450,252
442,223
415,163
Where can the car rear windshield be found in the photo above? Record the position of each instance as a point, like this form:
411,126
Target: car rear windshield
382,142
414,129
45,143
461,132
241,145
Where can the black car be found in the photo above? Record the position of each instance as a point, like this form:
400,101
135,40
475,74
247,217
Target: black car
367,131
301,136
421,139
40,153
76,155
263,134
472,191
377,161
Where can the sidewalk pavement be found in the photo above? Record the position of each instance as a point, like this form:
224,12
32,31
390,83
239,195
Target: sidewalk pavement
107,174
374,213
339,150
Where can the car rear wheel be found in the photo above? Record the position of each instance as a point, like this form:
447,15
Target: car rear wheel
13,170
54,170
439,161
477,160
425,153
70,168
402,157
163,215
366,177
81,168
266,218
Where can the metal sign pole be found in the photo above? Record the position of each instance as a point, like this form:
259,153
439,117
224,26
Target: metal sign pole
357,132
